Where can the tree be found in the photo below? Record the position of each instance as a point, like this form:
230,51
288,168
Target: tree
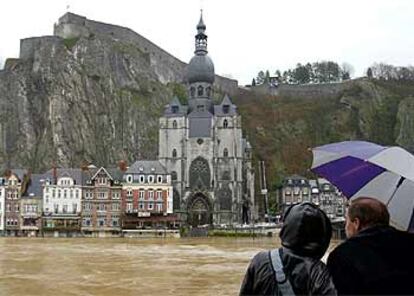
347,70
301,74
267,76
260,78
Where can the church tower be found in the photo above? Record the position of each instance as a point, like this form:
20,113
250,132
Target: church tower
201,145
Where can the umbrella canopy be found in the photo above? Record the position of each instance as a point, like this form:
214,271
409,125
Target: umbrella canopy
360,168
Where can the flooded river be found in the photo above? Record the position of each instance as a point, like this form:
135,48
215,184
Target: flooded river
204,266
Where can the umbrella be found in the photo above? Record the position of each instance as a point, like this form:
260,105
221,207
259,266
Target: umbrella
366,169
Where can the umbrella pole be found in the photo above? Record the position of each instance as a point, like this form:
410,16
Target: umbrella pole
395,190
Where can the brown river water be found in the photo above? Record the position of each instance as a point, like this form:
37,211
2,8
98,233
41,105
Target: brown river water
54,266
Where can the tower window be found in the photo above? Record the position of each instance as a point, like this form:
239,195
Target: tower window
174,109
174,153
225,123
175,124
225,152
199,90
192,92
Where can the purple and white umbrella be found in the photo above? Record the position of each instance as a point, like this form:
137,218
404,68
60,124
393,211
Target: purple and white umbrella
360,168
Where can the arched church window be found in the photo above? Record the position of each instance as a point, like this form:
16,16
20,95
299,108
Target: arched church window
225,123
192,91
174,153
199,173
199,90
208,91
174,175
225,152
175,124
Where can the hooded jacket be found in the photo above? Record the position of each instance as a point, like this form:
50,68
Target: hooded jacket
305,237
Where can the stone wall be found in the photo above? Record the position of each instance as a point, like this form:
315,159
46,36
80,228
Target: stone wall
167,67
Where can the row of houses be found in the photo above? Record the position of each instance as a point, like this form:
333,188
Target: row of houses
90,201
296,189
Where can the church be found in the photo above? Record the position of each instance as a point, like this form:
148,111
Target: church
202,146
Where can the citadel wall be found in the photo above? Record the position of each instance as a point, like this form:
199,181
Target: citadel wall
167,67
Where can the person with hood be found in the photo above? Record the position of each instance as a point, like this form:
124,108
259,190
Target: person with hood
295,268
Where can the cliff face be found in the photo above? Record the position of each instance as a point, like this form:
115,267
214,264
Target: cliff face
91,92
283,127
95,92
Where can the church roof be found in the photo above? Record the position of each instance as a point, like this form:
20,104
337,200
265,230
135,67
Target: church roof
200,124
181,110
220,110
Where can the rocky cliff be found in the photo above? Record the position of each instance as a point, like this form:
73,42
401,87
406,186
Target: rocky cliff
282,128
94,92
91,92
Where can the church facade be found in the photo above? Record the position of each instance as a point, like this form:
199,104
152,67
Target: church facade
202,146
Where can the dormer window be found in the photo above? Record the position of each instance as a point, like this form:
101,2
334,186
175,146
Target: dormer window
159,179
175,124
141,179
129,179
226,109
150,179
174,109
225,123
199,90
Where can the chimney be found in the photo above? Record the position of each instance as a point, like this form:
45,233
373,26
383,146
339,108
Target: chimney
122,165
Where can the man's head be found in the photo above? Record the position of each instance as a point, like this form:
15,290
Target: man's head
306,230
365,212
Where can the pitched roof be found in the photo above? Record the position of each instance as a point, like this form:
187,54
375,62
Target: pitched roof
182,109
146,167
76,174
219,109
35,188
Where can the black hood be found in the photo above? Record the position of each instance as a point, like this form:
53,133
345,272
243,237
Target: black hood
306,230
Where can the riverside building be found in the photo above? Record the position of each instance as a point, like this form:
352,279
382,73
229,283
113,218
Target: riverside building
147,197
101,203
62,194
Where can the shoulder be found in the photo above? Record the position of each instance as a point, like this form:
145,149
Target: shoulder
260,259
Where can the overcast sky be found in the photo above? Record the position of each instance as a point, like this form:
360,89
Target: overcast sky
245,36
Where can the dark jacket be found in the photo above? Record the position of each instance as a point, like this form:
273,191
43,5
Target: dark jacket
305,236
378,260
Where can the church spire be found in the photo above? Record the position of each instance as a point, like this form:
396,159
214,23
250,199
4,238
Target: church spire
201,37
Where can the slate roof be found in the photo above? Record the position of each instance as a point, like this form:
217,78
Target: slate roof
35,188
200,124
182,109
296,181
76,174
219,110
148,167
